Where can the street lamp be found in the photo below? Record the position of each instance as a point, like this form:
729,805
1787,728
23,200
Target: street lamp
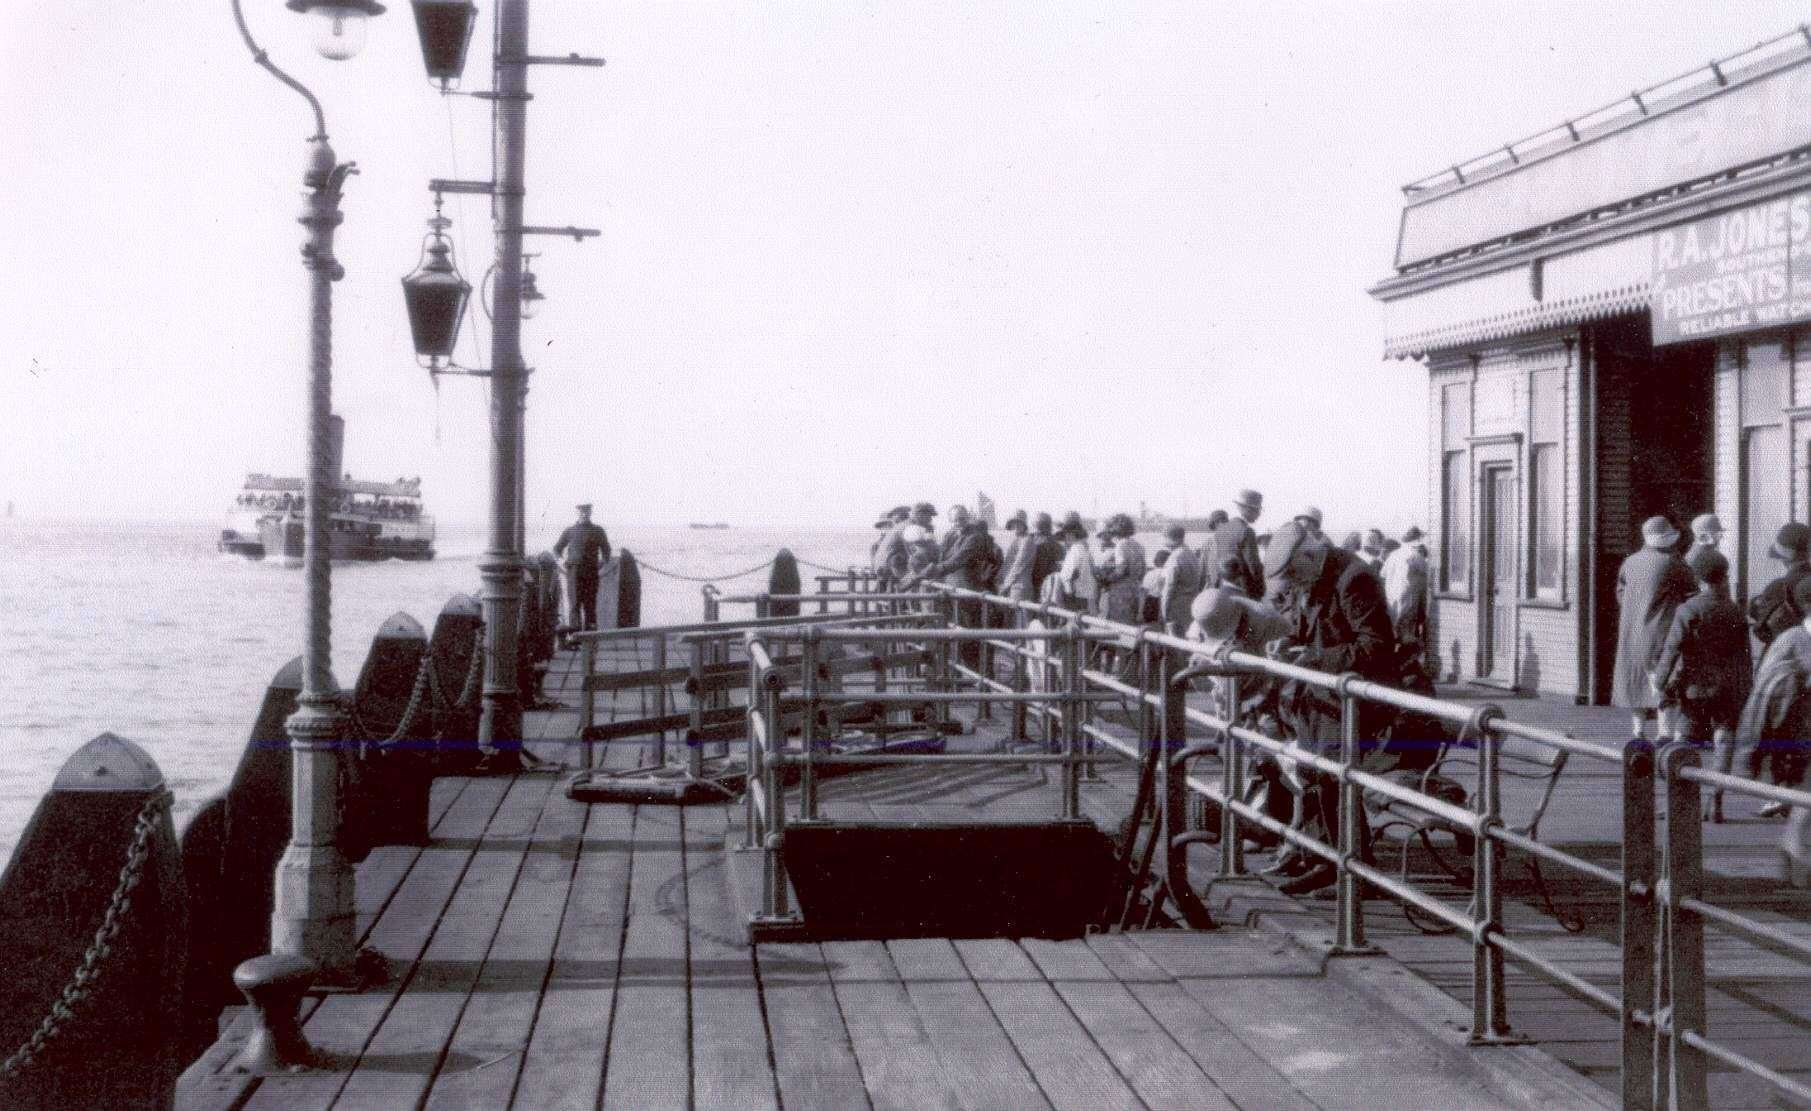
315,917
435,295
445,30
338,26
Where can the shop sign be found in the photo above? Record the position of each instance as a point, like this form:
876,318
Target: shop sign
1743,270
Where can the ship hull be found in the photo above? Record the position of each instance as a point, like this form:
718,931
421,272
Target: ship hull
349,541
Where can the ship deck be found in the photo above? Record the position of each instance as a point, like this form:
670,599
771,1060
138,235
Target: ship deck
549,954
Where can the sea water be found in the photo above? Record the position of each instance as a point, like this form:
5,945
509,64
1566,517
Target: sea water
145,630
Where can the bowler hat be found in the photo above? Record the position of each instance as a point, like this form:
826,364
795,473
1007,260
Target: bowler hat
1658,532
1249,499
1310,513
1072,523
1042,522
1706,522
1284,543
1018,519
1413,534
1790,542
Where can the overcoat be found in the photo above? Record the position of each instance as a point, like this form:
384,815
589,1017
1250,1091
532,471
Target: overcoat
1121,576
1649,587
1777,717
1706,665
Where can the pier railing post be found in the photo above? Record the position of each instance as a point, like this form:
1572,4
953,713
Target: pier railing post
1349,913
1072,723
587,711
1232,780
694,752
660,695
808,667
1639,927
1490,1001
1680,1008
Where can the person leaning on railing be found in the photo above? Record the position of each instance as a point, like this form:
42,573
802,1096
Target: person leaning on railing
1339,624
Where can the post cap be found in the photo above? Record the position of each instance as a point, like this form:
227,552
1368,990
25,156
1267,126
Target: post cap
109,763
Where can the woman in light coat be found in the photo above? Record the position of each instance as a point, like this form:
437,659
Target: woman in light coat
1649,587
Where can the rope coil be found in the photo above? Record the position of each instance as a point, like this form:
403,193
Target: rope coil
81,986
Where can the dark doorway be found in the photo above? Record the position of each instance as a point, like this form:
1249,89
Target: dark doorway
1656,412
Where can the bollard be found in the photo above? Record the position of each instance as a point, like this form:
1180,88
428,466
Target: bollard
456,649
391,717
229,854
782,579
628,591
94,935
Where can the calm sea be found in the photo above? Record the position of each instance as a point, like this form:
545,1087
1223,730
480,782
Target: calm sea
146,631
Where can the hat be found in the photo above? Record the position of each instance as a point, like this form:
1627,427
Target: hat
1217,612
1310,513
924,509
1284,543
1042,522
1249,499
1175,534
1710,566
1072,523
1217,518
1790,541
1121,524
1658,532
1352,542
901,512
584,505
1413,534
884,522
1706,522
1018,519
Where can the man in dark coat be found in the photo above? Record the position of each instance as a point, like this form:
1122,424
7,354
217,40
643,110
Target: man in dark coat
1649,587
1233,547
1775,609
1706,668
971,564
584,547
1047,556
1776,722
1340,623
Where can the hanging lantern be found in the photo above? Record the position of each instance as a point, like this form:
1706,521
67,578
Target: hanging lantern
445,29
436,296
531,294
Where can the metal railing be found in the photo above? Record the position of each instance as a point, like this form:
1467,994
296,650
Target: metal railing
1658,883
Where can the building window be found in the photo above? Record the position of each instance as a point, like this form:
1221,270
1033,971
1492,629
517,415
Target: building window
1546,486
1455,522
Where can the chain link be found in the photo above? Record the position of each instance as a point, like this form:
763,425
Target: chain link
80,988
646,566
419,698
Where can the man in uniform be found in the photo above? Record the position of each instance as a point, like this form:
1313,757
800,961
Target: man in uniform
584,547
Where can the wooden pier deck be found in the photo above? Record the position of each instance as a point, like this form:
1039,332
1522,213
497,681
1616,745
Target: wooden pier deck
548,954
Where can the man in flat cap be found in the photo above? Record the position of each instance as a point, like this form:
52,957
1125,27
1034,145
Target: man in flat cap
1649,587
1235,558
584,547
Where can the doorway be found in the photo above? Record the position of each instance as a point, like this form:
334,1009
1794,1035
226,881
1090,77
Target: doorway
1497,611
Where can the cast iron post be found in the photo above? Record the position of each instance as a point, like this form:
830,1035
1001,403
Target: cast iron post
500,729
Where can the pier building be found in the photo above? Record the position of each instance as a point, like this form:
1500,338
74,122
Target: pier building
1613,317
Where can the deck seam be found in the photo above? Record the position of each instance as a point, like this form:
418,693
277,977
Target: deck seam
1001,1025
547,975
622,941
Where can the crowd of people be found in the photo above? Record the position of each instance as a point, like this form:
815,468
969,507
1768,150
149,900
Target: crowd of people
398,509
1293,594
1685,666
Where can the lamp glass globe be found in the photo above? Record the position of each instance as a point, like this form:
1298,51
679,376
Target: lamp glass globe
338,30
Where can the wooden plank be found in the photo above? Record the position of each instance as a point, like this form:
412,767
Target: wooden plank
485,1053
649,1060
1069,1066
1159,1070
814,1060
1248,1079
393,1034
898,1062
977,1057
732,1063
399,933
563,1069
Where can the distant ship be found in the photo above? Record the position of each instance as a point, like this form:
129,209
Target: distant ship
713,524
370,520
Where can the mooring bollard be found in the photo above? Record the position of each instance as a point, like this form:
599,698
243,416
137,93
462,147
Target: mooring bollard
392,722
94,933
457,651
229,856
628,591
782,579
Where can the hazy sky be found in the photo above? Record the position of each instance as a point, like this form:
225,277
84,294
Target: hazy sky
1075,255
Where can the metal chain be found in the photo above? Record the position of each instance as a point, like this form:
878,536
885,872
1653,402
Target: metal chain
474,675
646,566
418,699
80,988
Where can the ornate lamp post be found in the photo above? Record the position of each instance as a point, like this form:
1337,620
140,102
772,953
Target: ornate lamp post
315,916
